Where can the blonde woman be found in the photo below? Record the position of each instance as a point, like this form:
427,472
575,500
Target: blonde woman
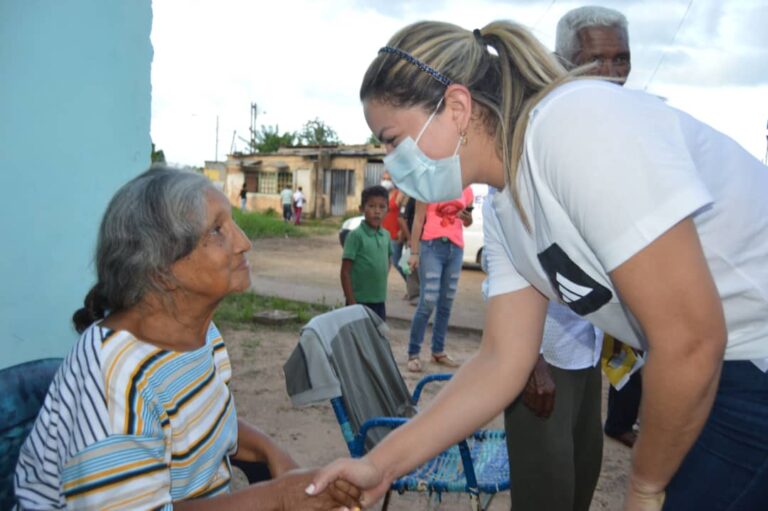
641,219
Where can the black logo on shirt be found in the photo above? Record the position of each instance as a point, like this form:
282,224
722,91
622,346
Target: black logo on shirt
577,290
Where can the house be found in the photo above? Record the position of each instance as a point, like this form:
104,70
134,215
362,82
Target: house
331,177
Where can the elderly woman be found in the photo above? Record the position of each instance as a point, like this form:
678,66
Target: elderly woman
140,415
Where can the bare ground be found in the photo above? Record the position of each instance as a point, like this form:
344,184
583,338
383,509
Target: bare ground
312,434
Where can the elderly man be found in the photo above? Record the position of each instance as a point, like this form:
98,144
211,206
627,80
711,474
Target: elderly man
553,430
599,35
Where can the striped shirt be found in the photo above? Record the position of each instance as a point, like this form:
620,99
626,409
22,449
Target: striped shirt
126,425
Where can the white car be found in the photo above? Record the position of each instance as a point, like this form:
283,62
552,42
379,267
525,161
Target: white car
473,235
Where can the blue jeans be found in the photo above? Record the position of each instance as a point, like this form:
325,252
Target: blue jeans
439,271
727,467
397,253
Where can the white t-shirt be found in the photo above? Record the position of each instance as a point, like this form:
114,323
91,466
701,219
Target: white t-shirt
607,170
298,199
569,341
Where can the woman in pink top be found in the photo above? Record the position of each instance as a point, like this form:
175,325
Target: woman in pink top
438,256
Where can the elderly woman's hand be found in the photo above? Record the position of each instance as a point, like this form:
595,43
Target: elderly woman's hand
337,496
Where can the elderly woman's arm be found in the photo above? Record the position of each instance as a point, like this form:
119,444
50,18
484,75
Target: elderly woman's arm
253,445
669,289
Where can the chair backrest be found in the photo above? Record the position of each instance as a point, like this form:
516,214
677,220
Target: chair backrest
355,346
22,390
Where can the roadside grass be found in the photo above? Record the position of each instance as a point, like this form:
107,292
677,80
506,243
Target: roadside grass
237,310
270,224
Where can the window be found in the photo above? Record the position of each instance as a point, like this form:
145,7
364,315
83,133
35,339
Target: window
251,181
284,178
267,182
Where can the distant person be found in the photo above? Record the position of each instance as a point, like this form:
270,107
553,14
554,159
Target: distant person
286,198
367,249
140,414
597,34
393,223
437,251
243,197
407,215
298,204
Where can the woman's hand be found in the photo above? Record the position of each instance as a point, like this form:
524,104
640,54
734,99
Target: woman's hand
336,496
465,215
413,261
359,472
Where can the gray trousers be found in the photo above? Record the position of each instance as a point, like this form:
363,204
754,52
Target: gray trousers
554,463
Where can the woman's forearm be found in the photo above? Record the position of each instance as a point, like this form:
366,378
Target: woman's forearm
679,388
477,392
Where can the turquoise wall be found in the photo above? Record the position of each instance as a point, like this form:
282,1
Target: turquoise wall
74,125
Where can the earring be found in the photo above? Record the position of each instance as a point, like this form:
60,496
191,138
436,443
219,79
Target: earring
463,138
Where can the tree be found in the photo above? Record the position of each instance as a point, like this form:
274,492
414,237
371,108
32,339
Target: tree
269,140
373,140
158,156
316,132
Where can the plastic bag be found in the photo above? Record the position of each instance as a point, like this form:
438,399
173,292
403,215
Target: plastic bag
404,260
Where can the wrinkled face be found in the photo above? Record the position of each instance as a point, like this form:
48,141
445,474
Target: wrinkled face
217,266
374,210
609,47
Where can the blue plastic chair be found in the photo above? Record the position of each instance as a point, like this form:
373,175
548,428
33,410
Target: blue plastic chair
345,356
477,466
22,390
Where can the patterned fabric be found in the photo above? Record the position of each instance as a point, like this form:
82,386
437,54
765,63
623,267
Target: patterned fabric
127,425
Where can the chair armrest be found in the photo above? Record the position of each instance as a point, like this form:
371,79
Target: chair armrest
427,379
358,447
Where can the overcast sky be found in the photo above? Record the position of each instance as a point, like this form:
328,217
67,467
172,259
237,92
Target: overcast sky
301,59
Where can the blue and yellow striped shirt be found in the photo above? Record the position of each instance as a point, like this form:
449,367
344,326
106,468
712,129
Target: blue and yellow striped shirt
126,425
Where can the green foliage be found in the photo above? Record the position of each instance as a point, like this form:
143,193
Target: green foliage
269,140
259,225
158,156
316,132
238,309
372,139
270,212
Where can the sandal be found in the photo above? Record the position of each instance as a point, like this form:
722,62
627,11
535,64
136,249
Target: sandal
444,359
414,364
627,438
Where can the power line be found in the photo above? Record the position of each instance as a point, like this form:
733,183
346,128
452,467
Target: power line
664,53
541,18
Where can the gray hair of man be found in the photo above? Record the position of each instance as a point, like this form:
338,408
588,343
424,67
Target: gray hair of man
567,44
151,222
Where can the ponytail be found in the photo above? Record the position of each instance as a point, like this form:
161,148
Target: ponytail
94,308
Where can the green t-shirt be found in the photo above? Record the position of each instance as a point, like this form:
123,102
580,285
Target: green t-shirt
286,196
369,250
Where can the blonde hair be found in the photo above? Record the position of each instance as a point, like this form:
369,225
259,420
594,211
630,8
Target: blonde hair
506,83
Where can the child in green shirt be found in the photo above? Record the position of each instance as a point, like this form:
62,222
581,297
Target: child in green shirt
367,252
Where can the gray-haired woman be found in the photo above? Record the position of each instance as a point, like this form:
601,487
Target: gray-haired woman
640,218
140,415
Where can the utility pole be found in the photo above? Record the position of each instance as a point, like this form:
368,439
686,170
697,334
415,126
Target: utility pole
217,139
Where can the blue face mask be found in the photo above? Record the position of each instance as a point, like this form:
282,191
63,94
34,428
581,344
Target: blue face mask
421,177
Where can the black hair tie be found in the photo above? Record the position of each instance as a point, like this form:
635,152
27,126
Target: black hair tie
478,36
